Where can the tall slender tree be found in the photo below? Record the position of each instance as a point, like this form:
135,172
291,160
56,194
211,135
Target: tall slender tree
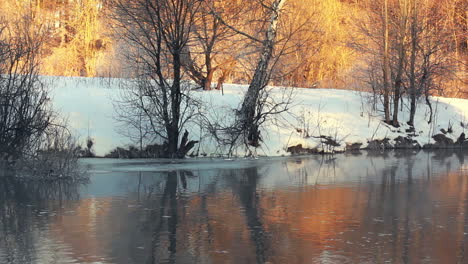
248,112
160,31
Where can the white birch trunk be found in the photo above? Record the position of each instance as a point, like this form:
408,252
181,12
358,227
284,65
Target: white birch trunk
260,78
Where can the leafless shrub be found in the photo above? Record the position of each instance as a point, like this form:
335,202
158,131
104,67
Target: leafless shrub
134,123
55,156
32,140
272,103
24,104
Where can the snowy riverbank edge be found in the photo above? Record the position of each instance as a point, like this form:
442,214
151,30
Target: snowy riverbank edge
346,117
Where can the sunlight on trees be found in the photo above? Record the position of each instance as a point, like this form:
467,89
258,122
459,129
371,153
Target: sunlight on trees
408,51
79,44
76,43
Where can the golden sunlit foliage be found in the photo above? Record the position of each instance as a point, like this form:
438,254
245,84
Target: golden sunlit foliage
326,56
76,41
316,37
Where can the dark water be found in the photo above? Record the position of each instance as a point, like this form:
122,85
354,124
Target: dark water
393,208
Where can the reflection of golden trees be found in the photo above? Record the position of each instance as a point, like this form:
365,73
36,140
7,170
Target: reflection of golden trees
400,213
90,215
404,216
291,223
26,209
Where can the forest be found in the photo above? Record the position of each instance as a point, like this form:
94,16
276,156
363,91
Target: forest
321,43
233,131
401,51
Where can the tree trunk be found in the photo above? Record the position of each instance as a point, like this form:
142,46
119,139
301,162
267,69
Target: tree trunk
260,78
396,100
173,132
413,63
208,79
209,70
185,145
401,62
386,67
172,142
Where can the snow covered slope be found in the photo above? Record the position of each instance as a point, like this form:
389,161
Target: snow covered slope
347,116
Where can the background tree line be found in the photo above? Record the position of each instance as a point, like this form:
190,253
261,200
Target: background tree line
405,48
410,48
79,42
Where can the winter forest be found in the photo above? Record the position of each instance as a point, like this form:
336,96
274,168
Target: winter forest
230,131
403,52
320,43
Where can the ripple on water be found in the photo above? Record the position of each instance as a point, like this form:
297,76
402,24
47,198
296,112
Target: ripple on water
354,209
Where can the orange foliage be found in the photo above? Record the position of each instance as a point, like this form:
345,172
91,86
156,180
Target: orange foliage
317,54
76,42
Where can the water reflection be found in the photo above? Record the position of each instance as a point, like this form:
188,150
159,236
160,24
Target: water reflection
369,208
27,207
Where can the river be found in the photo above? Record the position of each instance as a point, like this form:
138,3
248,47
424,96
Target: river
393,207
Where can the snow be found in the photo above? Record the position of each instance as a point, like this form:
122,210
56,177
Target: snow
345,115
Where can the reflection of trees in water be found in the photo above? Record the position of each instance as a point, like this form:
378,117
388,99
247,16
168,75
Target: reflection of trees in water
443,157
15,233
167,210
189,225
311,170
390,208
20,203
184,224
163,220
405,214
462,248
244,184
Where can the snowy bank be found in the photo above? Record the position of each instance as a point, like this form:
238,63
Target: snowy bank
346,116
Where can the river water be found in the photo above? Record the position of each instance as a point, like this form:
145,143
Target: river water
396,207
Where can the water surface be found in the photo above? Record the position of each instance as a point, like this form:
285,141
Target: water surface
396,207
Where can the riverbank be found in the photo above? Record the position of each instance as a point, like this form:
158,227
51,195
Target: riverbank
319,120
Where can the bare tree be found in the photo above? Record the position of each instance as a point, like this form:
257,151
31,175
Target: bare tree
160,31
412,67
135,125
258,104
431,63
386,65
249,116
409,43
24,105
211,49
398,67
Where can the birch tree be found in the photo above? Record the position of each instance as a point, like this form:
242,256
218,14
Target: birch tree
252,111
248,114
